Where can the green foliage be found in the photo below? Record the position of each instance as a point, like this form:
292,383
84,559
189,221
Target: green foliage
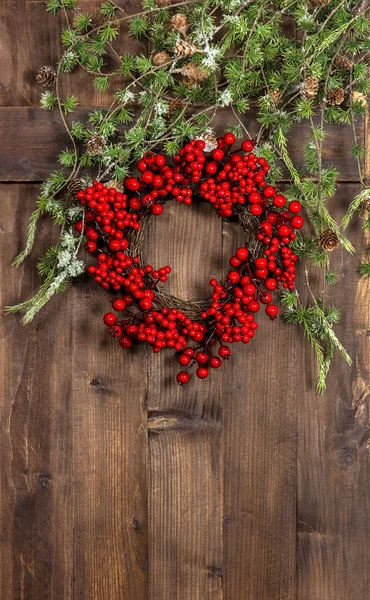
70,104
365,269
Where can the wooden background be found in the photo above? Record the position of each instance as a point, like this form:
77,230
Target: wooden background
117,485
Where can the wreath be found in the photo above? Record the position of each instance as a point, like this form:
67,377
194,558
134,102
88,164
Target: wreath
189,61
234,182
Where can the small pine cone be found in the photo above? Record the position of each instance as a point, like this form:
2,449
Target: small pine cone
320,3
180,23
310,87
335,96
46,76
175,106
96,144
184,48
343,62
275,96
76,185
210,141
328,240
161,58
359,97
113,183
193,72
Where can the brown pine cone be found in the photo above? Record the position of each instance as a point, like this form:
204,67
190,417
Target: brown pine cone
275,96
343,62
328,240
359,97
193,72
113,183
180,23
184,48
335,96
310,87
161,58
76,185
96,144
46,76
175,106
320,3
210,141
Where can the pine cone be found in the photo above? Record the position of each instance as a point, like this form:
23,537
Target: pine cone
184,48
275,96
193,72
343,62
161,58
335,96
113,183
310,87
210,141
162,3
46,76
359,97
76,185
320,3
96,144
180,23
328,240
174,106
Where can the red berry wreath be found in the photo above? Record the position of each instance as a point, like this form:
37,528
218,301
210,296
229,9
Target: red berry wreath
234,182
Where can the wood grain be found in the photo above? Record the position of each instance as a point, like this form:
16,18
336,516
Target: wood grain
36,509
185,512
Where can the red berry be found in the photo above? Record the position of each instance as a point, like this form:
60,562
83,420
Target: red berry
279,201
269,191
118,304
125,342
201,358
297,222
271,284
271,311
215,362
110,319
184,360
202,372
157,209
242,253
218,154
229,138
182,377
247,146
295,207
224,351
253,306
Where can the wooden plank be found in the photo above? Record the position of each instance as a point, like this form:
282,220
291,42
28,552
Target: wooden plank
74,440
36,508
109,457
333,503
185,512
31,139
259,449
41,45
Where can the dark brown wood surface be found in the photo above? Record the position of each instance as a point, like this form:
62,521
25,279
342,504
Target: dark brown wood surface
116,484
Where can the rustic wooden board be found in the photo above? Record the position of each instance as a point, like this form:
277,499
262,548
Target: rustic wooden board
116,484
32,139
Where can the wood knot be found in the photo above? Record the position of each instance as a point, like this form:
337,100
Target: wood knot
99,386
43,480
135,525
215,571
